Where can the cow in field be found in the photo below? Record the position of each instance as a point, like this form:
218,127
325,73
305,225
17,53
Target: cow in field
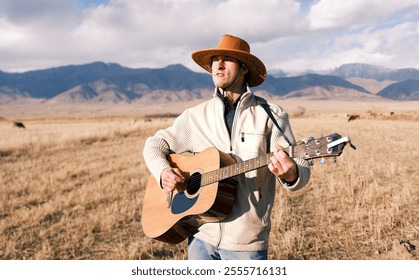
19,125
352,117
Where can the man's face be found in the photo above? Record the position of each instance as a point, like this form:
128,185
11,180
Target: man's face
227,72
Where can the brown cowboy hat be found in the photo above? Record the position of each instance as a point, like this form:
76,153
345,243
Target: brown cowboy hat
239,49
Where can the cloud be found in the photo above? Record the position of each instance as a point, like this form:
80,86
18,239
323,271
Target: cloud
137,33
155,31
329,14
34,11
392,47
288,34
37,31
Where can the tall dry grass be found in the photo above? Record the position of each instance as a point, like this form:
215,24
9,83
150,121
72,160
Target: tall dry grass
364,206
73,189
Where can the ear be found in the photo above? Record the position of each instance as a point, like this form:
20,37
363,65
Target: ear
244,68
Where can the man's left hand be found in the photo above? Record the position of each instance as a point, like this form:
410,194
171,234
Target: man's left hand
283,166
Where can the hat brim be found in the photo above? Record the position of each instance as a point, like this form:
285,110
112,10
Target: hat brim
257,70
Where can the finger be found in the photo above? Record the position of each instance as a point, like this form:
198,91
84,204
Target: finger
170,175
288,169
272,168
276,160
168,184
178,175
168,187
275,167
278,147
284,160
168,179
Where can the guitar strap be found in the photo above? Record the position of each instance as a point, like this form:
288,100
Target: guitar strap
267,108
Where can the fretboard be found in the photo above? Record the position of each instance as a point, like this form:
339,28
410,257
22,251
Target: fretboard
236,169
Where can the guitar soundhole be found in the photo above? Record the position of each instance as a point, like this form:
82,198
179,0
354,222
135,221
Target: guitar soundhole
194,184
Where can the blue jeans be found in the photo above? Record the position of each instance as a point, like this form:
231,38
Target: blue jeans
201,250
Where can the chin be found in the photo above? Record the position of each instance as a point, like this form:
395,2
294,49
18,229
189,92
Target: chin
218,83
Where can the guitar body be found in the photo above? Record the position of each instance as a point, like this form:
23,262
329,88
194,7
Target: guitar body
172,217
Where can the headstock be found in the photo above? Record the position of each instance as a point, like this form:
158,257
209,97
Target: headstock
326,146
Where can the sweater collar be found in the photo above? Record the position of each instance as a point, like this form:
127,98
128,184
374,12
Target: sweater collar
247,98
219,92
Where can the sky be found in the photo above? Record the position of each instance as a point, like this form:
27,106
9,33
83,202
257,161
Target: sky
292,35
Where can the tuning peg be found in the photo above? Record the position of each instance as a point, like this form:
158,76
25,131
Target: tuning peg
322,160
307,139
311,162
334,159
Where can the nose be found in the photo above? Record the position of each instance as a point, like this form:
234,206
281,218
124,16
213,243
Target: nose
218,62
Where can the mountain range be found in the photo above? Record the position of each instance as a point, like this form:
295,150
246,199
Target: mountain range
110,82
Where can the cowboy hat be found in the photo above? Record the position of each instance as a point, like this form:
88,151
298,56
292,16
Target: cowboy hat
239,49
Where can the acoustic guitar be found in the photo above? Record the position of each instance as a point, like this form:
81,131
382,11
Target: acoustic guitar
209,191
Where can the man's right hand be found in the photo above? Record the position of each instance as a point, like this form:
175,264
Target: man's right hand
172,178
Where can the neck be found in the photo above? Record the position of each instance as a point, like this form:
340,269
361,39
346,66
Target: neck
231,98
231,95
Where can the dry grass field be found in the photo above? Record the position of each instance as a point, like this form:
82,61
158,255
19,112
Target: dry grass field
72,188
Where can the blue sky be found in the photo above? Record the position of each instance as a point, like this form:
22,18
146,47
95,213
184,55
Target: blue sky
290,35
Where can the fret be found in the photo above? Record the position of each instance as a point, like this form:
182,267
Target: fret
203,180
291,151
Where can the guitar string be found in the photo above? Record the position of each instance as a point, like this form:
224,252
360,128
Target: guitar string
226,172
245,166
229,171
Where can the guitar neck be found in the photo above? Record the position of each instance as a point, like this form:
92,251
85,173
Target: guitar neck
311,148
238,168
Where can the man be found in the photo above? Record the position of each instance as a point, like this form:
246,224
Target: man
234,121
